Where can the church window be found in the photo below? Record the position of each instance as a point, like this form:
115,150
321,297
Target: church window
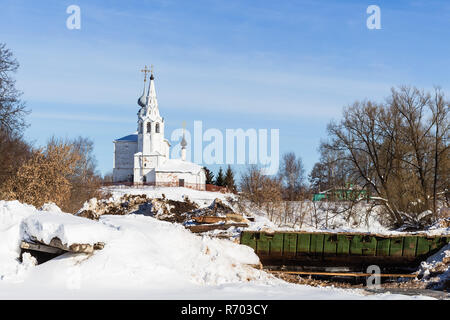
157,128
149,127
141,125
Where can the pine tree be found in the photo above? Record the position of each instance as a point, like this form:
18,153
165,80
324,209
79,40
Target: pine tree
220,179
209,176
229,179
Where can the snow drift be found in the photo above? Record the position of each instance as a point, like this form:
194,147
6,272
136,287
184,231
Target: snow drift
142,258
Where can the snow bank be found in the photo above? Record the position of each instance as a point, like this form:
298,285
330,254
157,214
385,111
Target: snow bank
66,227
143,258
435,271
162,252
139,250
12,213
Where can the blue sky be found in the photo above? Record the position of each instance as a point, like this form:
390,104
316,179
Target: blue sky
287,65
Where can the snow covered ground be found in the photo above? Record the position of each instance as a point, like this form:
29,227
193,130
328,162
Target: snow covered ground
143,258
202,198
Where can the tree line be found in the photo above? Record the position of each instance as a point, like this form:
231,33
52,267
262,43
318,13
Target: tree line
63,171
396,151
221,180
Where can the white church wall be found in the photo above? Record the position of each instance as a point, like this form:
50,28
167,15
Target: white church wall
123,160
173,179
124,153
123,175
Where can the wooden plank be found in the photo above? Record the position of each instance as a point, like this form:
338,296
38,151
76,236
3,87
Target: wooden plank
409,246
383,245
369,244
317,243
290,245
356,245
423,246
76,247
214,219
236,217
276,245
40,247
263,244
248,239
396,249
346,274
330,244
208,227
343,246
303,242
208,219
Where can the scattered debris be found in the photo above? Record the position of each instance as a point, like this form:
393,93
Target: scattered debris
209,227
218,215
227,218
435,271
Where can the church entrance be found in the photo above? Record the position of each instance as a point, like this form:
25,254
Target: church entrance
181,182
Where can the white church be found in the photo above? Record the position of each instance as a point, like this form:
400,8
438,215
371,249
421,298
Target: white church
143,157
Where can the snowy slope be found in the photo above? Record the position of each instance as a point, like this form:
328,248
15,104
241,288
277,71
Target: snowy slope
143,258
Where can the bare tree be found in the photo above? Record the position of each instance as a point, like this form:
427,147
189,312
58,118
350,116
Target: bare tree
13,149
292,176
63,172
397,150
85,180
441,126
262,191
12,109
45,176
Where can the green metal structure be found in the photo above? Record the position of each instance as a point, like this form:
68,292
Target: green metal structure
349,193
324,249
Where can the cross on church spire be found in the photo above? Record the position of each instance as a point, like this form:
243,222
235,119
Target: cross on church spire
183,141
151,72
145,71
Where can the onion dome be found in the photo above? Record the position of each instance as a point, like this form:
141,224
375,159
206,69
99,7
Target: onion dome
142,100
183,142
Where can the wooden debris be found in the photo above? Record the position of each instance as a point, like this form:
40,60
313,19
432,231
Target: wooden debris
208,219
214,219
346,274
40,247
56,243
76,247
208,227
236,217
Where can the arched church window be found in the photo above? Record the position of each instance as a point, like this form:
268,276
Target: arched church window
149,127
157,128
140,127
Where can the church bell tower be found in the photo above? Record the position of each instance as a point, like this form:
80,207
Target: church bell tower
150,123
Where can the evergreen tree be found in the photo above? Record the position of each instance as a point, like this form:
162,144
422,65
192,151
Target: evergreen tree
229,179
220,181
209,176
